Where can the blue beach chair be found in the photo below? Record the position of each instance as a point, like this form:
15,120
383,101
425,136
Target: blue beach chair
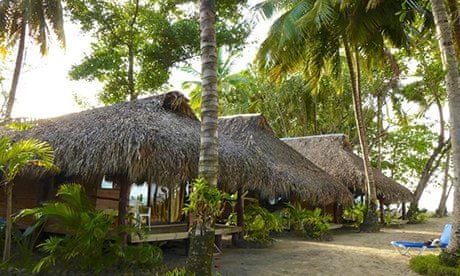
404,247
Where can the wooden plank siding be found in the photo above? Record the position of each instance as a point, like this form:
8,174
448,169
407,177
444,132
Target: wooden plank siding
25,195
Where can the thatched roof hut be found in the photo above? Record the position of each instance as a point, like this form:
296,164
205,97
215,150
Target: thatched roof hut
333,154
284,168
154,139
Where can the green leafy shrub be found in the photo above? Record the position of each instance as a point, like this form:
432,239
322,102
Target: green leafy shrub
177,272
418,216
259,223
316,225
355,214
92,244
204,202
431,265
296,215
312,224
449,259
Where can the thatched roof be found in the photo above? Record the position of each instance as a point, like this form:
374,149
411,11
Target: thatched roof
333,154
154,139
285,168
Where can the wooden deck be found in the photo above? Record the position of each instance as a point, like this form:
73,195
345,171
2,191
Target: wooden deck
178,232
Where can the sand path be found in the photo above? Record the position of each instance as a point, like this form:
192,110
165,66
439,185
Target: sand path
348,254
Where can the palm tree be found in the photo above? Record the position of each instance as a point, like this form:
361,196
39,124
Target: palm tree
225,79
310,36
14,158
202,230
450,64
35,18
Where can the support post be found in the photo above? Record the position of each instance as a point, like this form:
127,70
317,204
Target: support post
239,216
403,211
336,213
382,210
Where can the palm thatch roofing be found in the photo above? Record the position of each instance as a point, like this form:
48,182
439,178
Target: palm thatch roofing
283,166
333,154
155,139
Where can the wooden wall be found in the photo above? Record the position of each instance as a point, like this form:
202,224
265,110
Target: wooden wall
107,199
26,194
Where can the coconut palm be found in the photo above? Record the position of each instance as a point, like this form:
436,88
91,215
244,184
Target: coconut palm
35,18
225,79
14,158
311,35
450,64
202,231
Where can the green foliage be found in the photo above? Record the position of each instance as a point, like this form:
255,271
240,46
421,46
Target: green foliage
418,216
92,244
316,225
204,201
296,214
408,148
160,35
449,259
355,214
19,126
304,111
177,272
14,157
390,217
41,18
259,223
431,265
312,224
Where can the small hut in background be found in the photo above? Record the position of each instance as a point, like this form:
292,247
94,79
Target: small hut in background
155,142
286,169
333,153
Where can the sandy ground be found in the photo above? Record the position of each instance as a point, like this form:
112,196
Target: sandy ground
349,253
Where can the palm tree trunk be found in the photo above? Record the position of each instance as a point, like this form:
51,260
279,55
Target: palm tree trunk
208,164
371,219
202,236
442,211
9,222
455,18
17,72
131,86
379,128
449,61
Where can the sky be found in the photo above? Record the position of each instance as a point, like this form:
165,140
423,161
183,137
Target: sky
45,89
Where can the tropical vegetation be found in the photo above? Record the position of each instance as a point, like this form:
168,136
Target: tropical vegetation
381,72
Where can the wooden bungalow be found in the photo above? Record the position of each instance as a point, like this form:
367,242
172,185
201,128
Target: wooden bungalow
153,140
285,167
333,153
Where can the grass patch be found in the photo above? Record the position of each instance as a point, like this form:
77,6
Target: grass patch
431,265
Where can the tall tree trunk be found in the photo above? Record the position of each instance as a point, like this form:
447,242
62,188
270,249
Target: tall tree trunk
449,61
131,85
17,71
202,236
9,222
371,220
433,162
455,19
442,210
379,128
